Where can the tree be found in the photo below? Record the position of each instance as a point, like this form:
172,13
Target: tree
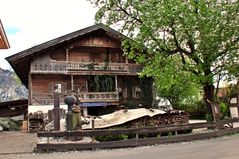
175,84
204,34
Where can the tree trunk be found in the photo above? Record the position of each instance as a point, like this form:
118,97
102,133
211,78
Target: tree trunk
208,96
208,88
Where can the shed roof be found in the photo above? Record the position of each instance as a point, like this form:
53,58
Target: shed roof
20,62
4,44
13,108
14,103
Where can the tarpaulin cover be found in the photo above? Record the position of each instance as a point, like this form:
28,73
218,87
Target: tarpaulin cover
121,117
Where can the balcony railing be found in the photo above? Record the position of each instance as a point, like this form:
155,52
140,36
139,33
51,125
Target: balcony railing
47,99
73,66
99,97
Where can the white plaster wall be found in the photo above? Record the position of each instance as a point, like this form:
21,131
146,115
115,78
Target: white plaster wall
43,108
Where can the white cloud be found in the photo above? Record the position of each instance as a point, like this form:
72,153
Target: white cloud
38,21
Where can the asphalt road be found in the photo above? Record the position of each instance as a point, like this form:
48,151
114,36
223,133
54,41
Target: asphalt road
220,148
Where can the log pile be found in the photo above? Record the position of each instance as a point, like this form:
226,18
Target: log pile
137,118
169,118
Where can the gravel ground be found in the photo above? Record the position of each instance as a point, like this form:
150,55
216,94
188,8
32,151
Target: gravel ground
17,142
220,148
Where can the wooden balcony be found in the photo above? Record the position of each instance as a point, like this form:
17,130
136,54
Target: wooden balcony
47,99
99,97
84,68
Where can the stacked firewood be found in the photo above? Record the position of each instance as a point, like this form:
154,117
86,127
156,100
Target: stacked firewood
169,118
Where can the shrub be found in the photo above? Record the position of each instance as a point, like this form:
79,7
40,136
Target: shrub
105,138
224,109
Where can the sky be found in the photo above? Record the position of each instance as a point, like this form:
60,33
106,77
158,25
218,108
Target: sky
31,22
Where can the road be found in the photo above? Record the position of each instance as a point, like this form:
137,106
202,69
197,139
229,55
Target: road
220,148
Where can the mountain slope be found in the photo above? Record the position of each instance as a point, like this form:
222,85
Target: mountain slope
10,87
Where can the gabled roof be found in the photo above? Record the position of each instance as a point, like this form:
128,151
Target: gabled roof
4,44
20,62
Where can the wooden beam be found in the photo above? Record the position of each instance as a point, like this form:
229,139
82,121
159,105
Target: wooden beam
116,83
87,85
67,54
29,88
72,82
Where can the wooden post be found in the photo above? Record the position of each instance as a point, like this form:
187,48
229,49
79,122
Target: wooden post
117,58
56,112
29,88
137,136
67,55
116,83
72,82
93,124
93,128
86,86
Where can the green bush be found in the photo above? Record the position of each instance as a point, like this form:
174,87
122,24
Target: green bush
196,110
105,138
10,124
224,109
209,117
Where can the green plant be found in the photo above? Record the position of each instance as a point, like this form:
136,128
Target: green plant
105,138
209,117
100,83
196,109
170,134
224,109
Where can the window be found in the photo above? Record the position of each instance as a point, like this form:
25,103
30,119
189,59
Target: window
136,93
57,87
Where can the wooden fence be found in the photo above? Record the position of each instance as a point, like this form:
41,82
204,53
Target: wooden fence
217,130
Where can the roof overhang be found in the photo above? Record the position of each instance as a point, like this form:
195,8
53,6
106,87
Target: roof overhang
4,44
13,108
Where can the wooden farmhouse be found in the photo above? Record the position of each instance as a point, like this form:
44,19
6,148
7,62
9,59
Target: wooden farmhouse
89,64
4,44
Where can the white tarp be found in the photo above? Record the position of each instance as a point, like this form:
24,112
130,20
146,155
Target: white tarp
121,117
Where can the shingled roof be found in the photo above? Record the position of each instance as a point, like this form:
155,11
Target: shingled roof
20,62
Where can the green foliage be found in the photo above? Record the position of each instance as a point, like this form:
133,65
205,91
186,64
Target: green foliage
178,40
105,138
209,117
170,134
9,124
228,93
224,109
197,109
100,83
174,83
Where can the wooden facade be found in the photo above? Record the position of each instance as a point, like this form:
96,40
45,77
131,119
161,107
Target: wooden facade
4,44
88,64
